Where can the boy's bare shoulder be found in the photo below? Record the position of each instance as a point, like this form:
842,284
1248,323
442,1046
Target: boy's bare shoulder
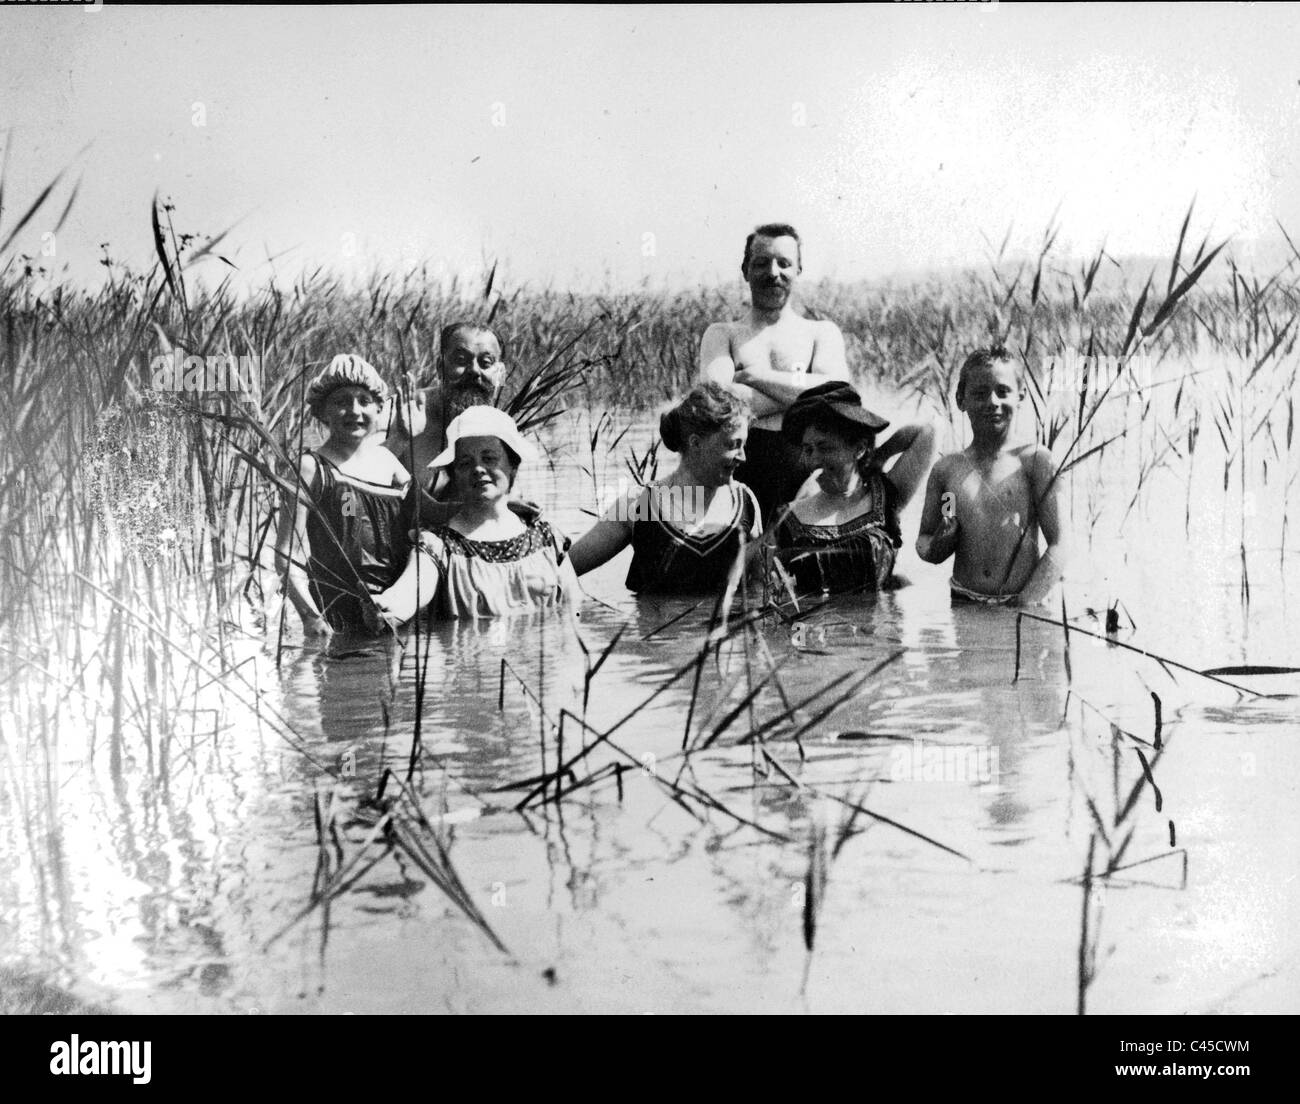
1036,459
1032,451
950,465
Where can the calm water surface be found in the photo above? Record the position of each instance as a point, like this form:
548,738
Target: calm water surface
190,898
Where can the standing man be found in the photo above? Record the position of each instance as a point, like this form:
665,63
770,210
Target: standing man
771,358
471,370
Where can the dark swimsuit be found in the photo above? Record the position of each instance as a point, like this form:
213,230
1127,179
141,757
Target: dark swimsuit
666,560
859,554
359,538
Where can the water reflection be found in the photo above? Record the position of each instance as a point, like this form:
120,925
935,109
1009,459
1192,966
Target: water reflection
163,868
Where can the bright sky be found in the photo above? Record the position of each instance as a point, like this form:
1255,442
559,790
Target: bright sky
586,145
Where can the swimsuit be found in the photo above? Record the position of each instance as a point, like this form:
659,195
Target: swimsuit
667,560
358,537
857,554
961,595
478,578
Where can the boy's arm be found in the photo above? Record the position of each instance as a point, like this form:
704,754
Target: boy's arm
937,539
1051,565
718,365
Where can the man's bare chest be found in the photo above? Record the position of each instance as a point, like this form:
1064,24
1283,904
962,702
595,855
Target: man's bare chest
791,351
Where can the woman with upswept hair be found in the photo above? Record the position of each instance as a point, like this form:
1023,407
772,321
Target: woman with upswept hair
687,532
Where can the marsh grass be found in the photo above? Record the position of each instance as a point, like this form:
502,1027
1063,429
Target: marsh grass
24,994
136,576
1106,847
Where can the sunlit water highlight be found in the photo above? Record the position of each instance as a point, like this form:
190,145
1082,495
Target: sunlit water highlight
187,897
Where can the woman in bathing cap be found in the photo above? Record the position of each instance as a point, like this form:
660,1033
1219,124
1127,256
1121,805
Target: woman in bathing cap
344,526
688,531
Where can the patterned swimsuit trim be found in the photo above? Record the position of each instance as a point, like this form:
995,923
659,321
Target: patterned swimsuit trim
701,544
859,552
537,536
666,560
818,536
384,490
965,594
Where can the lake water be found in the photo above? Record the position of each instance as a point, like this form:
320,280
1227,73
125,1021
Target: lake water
961,894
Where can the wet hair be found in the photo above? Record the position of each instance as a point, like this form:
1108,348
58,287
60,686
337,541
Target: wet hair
772,230
986,357
708,408
466,325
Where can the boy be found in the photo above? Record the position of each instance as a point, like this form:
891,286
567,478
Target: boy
989,502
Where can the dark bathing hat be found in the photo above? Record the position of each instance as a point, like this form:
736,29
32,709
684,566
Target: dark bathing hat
835,402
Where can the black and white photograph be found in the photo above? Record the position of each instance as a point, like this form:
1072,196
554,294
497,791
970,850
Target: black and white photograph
578,509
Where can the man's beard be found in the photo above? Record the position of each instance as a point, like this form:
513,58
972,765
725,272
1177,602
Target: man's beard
460,399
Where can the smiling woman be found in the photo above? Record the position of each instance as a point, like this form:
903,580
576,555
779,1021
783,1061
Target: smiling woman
845,536
688,532
343,526
486,561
